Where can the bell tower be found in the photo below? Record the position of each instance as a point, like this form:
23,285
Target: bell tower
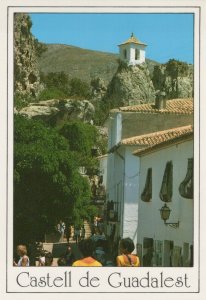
132,51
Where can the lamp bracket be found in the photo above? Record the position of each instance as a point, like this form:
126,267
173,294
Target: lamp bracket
173,225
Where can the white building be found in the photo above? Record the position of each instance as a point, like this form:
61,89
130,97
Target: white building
132,51
166,177
103,169
122,189
130,121
129,128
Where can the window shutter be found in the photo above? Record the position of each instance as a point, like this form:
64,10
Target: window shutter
186,186
147,192
167,183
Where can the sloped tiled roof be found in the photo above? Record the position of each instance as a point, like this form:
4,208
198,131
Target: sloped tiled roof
167,138
155,138
133,40
176,106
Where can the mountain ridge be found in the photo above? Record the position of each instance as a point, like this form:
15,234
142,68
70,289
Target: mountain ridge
82,63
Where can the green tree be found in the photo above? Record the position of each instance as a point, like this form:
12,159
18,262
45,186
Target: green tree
82,138
159,77
47,183
102,109
79,88
51,93
56,86
175,68
56,81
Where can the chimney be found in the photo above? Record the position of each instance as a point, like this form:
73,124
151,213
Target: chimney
160,101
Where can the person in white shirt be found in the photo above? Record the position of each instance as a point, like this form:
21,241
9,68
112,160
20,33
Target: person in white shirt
61,229
24,259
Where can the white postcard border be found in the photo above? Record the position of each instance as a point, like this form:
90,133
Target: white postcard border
12,273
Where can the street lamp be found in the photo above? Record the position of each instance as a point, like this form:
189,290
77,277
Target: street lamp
165,214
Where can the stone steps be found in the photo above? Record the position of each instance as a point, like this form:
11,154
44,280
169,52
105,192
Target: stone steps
87,227
88,231
54,237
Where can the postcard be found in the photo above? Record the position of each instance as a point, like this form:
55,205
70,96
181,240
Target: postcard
102,149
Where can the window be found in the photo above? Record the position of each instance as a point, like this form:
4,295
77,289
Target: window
167,183
147,192
137,54
125,53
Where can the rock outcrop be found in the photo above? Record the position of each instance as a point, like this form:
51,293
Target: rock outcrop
176,81
26,73
130,85
57,111
99,88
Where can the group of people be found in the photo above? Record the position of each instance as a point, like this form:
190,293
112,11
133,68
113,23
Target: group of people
64,232
93,253
45,258
95,258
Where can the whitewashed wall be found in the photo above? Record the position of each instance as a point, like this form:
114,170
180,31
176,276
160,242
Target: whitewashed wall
103,168
131,190
110,177
150,224
115,129
123,187
130,48
115,182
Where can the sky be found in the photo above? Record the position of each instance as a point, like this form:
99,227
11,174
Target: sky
168,36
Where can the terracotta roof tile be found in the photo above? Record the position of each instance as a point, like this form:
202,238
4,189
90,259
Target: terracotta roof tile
176,106
156,138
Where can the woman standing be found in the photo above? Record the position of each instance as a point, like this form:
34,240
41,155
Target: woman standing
126,259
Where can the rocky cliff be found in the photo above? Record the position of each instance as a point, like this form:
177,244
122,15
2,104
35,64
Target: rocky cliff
130,85
56,111
133,85
175,79
27,79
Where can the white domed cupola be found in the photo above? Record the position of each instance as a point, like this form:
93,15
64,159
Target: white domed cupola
132,51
